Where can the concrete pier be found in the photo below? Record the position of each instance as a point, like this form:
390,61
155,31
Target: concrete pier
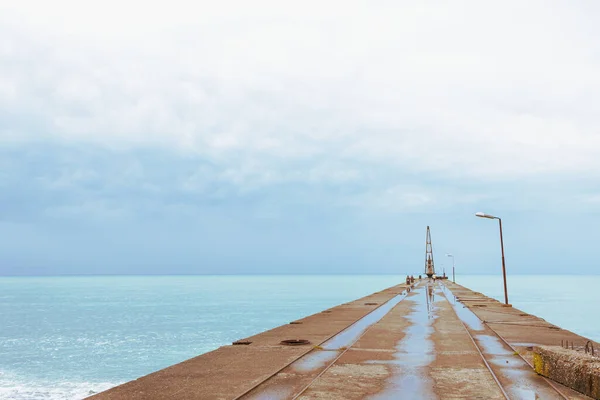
434,340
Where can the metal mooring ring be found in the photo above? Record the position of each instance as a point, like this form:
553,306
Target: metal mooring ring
591,346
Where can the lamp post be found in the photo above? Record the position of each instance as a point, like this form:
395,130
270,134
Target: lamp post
483,215
450,255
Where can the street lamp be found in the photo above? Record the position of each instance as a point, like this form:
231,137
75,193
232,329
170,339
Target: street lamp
483,215
450,255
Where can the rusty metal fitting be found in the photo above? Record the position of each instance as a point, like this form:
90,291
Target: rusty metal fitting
294,342
589,347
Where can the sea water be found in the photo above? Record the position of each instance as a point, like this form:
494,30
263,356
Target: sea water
70,337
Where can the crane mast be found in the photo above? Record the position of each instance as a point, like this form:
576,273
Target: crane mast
429,265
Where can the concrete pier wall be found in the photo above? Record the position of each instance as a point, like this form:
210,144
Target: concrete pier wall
575,369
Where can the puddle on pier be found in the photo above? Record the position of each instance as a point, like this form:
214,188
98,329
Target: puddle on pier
492,345
467,316
497,351
319,358
522,383
518,378
415,351
281,387
315,359
351,334
448,293
521,388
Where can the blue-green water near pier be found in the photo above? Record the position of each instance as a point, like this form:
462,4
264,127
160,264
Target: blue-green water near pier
68,337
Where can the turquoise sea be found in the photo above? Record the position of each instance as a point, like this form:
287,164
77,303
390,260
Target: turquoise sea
68,337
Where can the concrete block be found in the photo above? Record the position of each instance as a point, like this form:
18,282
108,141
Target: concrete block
577,370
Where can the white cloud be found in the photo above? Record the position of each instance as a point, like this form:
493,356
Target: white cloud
593,199
274,92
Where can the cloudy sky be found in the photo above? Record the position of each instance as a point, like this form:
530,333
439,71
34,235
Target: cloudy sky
298,137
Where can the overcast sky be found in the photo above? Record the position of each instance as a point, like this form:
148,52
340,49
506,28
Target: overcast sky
298,137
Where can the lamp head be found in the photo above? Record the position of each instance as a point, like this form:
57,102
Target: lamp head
484,215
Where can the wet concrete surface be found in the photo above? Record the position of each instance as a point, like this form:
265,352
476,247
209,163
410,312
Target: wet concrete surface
413,345
517,378
415,351
349,335
458,371
515,374
294,378
314,360
466,316
420,350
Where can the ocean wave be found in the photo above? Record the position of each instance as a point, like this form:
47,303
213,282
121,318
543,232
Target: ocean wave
15,389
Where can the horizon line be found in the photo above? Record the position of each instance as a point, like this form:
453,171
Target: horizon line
281,274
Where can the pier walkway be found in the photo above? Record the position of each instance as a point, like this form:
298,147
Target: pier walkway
433,340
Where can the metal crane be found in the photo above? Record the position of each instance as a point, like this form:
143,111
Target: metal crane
429,265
